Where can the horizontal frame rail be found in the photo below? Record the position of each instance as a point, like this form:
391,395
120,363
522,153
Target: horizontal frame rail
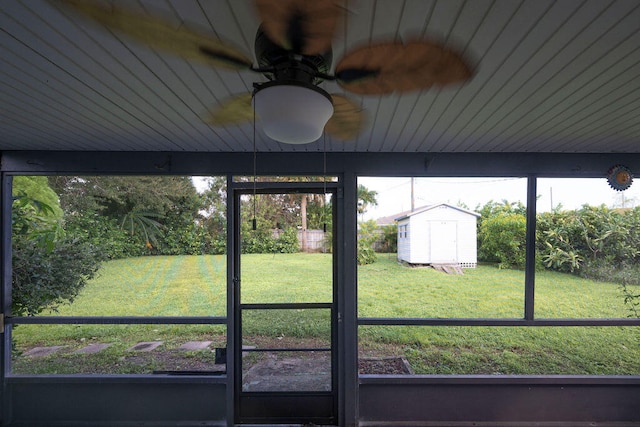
262,187
101,379
287,306
298,349
469,379
117,320
383,321
285,394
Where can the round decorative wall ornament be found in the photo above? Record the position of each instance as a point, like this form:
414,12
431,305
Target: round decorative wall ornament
619,177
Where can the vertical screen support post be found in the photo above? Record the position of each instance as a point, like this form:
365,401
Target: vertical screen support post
530,247
5,292
348,300
231,295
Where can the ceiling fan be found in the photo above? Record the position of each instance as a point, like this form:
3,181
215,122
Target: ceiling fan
293,51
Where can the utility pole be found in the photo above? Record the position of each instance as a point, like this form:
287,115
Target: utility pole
551,197
413,206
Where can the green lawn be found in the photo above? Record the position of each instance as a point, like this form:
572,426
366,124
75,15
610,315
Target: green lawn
195,285
389,289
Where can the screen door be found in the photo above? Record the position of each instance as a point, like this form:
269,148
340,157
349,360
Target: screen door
285,314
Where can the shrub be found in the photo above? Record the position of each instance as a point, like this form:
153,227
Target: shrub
105,234
389,242
589,239
366,255
217,245
49,266
286,242
366,238
44,279
502,239
601,270
263,240
182,239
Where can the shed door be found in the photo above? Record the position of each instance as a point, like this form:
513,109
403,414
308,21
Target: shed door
444,241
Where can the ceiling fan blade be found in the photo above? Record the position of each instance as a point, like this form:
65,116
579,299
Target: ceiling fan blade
347,120
233,111
397,67
301,26
158,34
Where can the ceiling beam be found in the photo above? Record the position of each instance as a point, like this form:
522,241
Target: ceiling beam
362,164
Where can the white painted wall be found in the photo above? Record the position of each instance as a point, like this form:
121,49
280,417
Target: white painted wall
440,234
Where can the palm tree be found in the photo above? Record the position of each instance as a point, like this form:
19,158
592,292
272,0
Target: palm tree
144,225
366,198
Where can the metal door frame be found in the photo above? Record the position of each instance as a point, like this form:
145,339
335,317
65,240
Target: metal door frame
278,400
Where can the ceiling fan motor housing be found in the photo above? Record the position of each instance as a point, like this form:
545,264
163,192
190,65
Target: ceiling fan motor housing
277,63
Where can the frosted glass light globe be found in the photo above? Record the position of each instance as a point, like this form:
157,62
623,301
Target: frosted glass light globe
292,113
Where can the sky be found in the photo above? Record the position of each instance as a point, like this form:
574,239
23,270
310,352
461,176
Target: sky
394,194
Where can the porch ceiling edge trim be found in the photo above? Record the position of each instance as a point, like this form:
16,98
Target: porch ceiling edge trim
271,163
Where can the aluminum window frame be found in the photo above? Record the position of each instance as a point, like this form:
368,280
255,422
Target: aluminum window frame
10,320
349,165
529,319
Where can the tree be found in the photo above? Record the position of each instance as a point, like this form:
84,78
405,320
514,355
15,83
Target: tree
300,211
49,265
305,201
277,218
134,215
37,189
366,198
213,216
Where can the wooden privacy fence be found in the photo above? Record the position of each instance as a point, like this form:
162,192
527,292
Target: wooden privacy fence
316,240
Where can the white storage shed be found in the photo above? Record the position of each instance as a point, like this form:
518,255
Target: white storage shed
438,234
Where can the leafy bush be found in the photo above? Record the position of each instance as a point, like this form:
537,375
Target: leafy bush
559,259
366,255
255,242
217,245
181,236
287,241
367,236
389,241
595,242
44,279
264,240
106,234
49,266
502,239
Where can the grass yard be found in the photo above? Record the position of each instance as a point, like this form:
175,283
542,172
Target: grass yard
196,286
389,289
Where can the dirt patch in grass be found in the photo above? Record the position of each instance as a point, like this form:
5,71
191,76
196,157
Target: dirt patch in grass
384,366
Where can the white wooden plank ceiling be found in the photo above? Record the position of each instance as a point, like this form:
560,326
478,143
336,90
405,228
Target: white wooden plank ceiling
551,76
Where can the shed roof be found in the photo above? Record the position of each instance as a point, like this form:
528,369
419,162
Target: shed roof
407,214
